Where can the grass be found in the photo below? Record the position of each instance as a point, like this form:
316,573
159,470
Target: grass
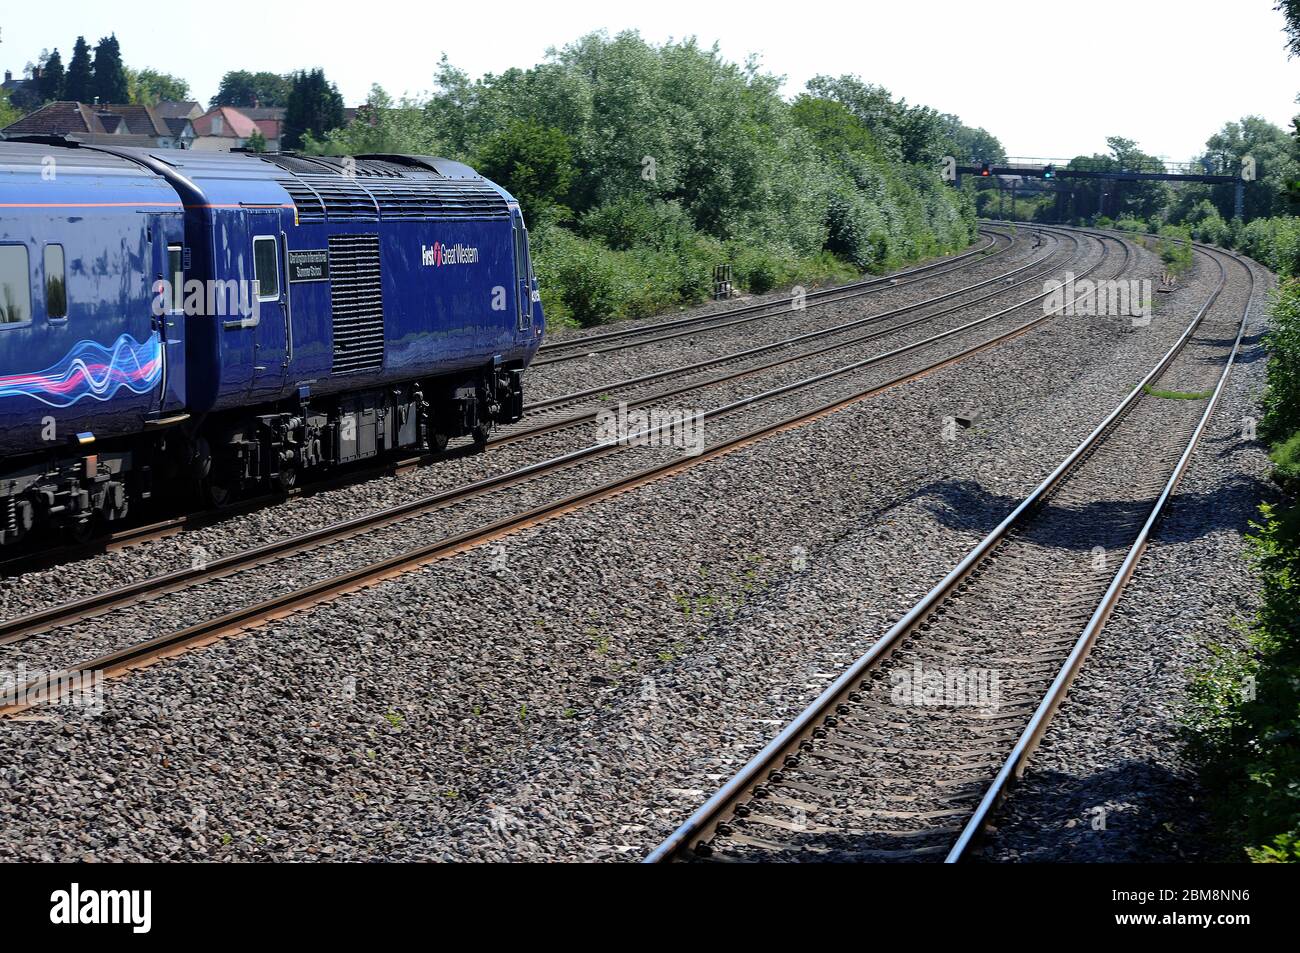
1176,394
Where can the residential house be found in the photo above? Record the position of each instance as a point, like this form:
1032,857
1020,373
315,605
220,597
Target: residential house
225,128
114,124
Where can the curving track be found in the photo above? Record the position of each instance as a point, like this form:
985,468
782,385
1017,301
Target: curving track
888,368
907,753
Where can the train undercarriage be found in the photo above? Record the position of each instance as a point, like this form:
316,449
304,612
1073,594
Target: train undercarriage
229,456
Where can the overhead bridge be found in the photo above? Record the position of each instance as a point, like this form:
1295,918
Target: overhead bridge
1214,173
1109,169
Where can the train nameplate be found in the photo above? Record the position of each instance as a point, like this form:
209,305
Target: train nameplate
311,264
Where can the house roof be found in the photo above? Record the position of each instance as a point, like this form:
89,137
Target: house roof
187,109
64,118
234,125
178,126
263,112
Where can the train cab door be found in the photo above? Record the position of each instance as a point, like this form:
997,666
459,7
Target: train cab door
523,277
272,347
167,260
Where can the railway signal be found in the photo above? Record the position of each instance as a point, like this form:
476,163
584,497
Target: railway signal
1049,172
985,170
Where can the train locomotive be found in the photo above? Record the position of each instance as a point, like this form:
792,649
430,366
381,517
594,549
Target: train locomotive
231,322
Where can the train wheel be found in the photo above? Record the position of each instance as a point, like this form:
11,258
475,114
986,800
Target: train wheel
218,495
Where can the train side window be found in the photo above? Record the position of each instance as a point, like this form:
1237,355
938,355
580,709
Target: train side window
266,267
15,285
520,273
56,282
176,272
528,259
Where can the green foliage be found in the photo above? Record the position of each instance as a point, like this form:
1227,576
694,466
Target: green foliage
1175,248
1281,418
53,77
1245,714
8,114
533,162
641,167
149,87
383,126
1286,462
77,85
1245,717
315,107
242,88
109,82
835,130
256,142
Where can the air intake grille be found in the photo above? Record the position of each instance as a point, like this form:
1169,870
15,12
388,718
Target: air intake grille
307,203
345,199
338,198
416,199
357,303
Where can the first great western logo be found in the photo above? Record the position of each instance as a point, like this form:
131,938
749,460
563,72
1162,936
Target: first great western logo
440,253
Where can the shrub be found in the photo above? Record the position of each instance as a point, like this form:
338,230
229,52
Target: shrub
1246,707
1282,400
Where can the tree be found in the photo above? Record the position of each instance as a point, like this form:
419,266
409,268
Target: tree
150,87
78,84
1291,10
52,77
109,84
534,162
242,88
1275,164
314,106
382,125
873,106
971,143
8,113
833,127
256,142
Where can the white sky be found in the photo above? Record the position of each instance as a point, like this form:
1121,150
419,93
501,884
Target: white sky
1050,78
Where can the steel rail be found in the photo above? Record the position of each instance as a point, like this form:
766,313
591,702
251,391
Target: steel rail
73,612
1033,733
884,281
52,684
160,529
785,342
704,821
760,312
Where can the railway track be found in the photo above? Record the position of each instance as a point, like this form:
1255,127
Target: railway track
45,622
581,346
1001,284
161,529
907,753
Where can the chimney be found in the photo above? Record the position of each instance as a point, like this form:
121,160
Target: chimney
9,77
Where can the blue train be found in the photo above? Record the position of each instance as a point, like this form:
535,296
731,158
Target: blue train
233,321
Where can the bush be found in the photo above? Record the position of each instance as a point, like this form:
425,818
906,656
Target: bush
1282,400
1246,707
